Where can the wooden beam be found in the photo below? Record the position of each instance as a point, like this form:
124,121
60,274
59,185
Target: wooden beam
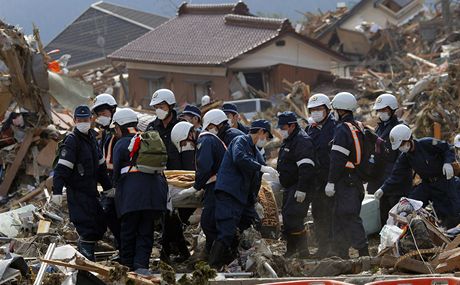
408,264
12,170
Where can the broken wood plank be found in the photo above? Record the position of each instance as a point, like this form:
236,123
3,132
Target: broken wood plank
30,195
43,227
437,234
408,264
13,168
421,60
454,244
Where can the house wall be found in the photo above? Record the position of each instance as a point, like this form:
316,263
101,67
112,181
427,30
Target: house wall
181,84
295,52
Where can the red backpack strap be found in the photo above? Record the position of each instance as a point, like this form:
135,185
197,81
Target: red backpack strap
354,133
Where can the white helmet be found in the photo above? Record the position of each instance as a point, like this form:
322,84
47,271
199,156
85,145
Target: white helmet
103,99
457,141
386,100
399,134
124,116
205,100
344,101
215,117
319,100
163,95
180,132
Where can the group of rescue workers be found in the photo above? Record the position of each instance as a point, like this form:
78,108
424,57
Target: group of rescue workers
317,166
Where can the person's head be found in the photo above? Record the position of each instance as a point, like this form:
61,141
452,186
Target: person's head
319,107
184,136
287,123
205,100
104,107
231,111
385,105
192,114
457,142
401,138
260,132
82,119
343,103
124,121
214,120
163,101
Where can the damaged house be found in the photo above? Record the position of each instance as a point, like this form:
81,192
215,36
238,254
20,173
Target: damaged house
224,51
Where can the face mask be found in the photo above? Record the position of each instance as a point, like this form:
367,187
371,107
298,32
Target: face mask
83,127
213,131
336,116
103,121
161,114
383,116
230,123
188,146
261,143
284,134
404,148
317,116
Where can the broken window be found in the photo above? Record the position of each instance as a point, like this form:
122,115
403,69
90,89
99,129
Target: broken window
153,84
396,5
255,79
200,88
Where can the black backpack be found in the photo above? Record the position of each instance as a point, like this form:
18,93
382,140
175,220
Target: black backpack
366,167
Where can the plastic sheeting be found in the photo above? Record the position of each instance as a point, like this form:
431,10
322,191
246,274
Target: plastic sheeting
69,92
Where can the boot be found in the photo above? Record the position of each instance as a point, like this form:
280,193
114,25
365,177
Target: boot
87,249
219,255
302,246
363,251
290,246
184,254
165,253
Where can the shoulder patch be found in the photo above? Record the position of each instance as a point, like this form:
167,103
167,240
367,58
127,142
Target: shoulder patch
63,152
434,141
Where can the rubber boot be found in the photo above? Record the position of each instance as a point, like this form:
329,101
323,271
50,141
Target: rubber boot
290,246
219,255
363,251
302,246
165,253
184,254
87,249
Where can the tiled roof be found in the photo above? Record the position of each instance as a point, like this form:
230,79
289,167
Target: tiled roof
204,35
100,30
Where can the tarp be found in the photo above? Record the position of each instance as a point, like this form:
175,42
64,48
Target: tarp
69,92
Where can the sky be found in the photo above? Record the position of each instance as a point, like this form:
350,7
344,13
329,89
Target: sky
52,16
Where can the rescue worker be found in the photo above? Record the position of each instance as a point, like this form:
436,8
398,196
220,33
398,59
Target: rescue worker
210,152
296,164
184,139
217,123
237,187
385,157
432,160
163,100
344,182
141,197
321,131
192,114
80,167
205,100
457,147
234,117
104,107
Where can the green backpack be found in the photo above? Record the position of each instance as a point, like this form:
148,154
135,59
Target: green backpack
149,153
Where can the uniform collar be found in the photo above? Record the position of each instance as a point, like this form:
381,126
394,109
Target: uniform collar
294,133
392,121
347,118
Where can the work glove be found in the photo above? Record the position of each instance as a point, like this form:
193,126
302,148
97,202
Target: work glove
56,200
299,196
270,170
109,193
199,194
259,210
188,192
378,194
448,170
329,190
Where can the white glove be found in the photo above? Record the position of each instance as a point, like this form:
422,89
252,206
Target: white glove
300,196
187,192
109,193
57,200
378,194
260,210
448,170
329,190
270,170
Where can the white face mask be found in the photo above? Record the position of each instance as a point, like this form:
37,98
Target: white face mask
317,116
83,127
383,116
284,134
404,148
261,143
103,121
188,146
230,123
161,114
213,131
